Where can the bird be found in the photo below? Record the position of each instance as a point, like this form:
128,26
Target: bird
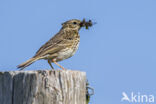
61,46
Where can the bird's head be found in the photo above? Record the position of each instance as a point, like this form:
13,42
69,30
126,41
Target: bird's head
73,24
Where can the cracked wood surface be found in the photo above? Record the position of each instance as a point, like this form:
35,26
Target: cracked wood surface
43,87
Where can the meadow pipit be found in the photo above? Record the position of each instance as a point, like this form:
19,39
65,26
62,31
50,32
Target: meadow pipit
62,46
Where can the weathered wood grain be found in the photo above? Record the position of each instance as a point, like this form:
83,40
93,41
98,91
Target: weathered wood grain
43,87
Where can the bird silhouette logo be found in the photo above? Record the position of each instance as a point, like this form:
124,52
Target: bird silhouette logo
125,97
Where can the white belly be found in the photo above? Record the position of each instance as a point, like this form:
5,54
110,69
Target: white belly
66,53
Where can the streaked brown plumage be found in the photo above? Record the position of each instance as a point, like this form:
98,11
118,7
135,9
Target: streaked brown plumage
62,46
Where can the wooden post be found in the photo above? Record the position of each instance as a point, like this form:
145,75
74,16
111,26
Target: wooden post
43,87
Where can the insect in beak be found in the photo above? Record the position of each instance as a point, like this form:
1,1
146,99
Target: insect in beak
86,24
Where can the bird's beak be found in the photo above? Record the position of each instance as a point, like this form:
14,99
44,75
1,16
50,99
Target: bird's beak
82,23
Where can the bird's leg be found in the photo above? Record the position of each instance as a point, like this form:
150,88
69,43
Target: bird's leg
54,61
49,62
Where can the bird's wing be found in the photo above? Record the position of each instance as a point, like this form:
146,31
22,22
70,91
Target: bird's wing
54,45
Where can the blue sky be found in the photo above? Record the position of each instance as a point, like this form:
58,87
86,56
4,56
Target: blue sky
118,53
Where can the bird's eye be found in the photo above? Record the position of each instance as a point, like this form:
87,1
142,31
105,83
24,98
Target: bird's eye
74,23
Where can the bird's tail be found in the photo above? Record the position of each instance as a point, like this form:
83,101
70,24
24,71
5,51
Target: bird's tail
27,63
